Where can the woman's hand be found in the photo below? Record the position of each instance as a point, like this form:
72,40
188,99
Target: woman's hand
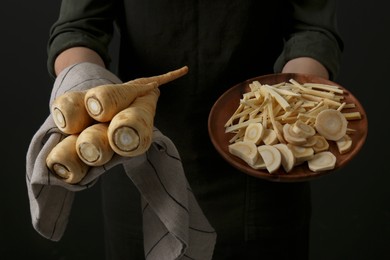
306,65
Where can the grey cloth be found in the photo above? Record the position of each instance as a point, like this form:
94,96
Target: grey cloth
174,224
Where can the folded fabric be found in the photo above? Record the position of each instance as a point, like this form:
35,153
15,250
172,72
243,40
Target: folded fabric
174,224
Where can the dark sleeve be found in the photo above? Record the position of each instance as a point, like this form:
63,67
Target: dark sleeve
86,23
312,32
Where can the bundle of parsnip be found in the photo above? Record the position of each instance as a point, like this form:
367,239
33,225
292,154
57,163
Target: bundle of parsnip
104,120
287,124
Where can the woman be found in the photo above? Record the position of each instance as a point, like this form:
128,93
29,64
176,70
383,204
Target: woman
222,43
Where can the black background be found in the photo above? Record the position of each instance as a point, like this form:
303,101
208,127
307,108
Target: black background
351,208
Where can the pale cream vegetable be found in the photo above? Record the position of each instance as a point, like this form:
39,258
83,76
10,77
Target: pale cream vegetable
331,124
247,151
288,158
271,156
344,144
321,144
270,137
322,161
301,153
64,162
292,137
69,112
302,129
93,146
254,133
103,102
130,131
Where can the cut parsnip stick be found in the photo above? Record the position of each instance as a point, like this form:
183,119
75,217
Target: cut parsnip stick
322,161
92,145
130,131
64,162
246,151
69,112
353,115
331,124
254,133
271,156
288,158
344,144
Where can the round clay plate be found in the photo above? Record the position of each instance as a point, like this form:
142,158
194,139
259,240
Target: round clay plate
226,105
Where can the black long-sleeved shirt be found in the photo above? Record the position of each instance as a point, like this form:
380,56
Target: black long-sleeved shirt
223,42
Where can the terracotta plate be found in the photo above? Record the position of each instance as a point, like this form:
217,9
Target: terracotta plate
225,106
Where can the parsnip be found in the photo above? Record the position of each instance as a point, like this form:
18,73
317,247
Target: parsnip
92,145
291,137
271,156
254,133
322,161
344,144
69,112
302,129
64,162
130,131
321,144
301,153
103,102
247,151
270,137
331,124
288,158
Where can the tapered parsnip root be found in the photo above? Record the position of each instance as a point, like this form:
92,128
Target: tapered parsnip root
103,102
163,78
69,112
64,162
322,161
92,145
130,131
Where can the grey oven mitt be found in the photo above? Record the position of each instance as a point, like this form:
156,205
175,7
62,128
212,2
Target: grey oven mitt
174,224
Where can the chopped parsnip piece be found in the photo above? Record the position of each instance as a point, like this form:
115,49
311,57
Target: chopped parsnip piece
322,161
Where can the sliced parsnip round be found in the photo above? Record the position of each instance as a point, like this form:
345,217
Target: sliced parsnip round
344,144
259,164
322,161
291,137
321,144
246,151
271,157
301,153
310,141
270,137
92,145
64,162
331,124
302,129
288,159
254,133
